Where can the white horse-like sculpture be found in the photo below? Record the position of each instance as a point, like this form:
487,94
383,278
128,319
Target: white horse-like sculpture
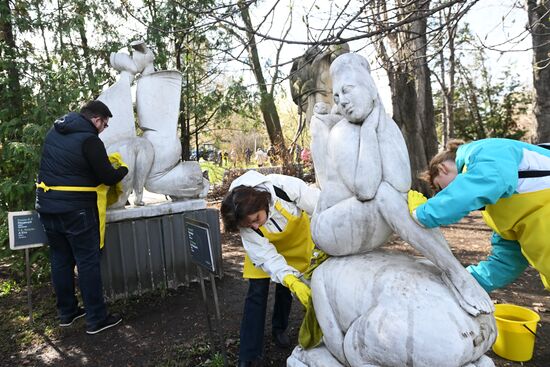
376,308
154,160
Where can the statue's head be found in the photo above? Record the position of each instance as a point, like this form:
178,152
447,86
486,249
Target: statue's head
337,50
143,57
311,53
353,88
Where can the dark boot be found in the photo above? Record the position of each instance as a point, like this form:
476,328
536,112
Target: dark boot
281,340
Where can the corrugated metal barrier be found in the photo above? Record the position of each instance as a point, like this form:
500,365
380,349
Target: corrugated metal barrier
144,254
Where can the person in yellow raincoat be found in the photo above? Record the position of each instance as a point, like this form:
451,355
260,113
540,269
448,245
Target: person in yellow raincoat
71,197
272,214
510,181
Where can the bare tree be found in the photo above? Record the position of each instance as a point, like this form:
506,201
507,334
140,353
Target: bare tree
447,68
539,25
267,101
403,53
402,23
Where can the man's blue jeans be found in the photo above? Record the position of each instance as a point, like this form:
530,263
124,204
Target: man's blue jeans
253,321
73,238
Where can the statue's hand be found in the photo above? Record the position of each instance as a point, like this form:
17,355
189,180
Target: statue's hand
329,120
368,173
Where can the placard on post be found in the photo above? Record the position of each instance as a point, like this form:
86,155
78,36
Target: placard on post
200,245
25,230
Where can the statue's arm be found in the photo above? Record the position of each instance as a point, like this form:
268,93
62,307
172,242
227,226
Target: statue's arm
342,154
368,172
396,167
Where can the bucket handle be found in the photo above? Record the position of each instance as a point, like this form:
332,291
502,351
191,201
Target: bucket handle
531,331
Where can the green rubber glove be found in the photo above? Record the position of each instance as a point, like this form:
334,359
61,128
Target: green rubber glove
415,199
299,289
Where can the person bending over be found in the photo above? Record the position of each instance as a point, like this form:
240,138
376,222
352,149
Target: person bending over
510,182
272,215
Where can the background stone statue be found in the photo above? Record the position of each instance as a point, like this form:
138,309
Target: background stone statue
154,160
310,81
377,309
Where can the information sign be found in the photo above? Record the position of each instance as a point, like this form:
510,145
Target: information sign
25,230
200,245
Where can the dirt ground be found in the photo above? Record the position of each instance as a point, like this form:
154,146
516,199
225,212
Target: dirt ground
170,328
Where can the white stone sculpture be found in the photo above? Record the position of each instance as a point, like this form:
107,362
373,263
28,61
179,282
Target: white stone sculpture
154,160
390,310
320,126
169,175
364,175
363,198
121,137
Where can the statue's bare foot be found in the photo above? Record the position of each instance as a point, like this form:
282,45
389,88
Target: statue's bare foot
471,297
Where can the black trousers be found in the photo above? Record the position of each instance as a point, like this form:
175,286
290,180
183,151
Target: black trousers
253,321
74,239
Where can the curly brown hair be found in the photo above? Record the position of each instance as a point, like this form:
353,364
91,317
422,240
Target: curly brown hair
240,203
449,154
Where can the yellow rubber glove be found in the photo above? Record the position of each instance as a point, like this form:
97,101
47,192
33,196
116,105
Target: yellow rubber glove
116,160
299,289
115,190
415,199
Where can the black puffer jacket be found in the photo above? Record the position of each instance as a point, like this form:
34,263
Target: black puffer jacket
63,163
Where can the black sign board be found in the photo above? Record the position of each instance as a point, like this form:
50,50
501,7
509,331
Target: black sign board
200,245
25,230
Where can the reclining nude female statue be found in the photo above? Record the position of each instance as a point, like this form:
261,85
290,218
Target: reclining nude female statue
377,308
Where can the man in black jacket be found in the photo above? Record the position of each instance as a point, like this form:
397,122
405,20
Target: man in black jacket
74,157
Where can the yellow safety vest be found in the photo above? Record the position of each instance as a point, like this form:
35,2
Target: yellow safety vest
294,244
106,195
525,218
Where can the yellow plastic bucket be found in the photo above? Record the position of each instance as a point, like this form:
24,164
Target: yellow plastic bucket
516,327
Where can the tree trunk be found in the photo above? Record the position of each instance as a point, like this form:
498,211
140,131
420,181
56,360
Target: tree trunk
410,85
425,118
267,102
451,88
9,56
37,4
444,99
473,105
81,11
539,25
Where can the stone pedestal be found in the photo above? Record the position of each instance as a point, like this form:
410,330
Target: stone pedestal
146,247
